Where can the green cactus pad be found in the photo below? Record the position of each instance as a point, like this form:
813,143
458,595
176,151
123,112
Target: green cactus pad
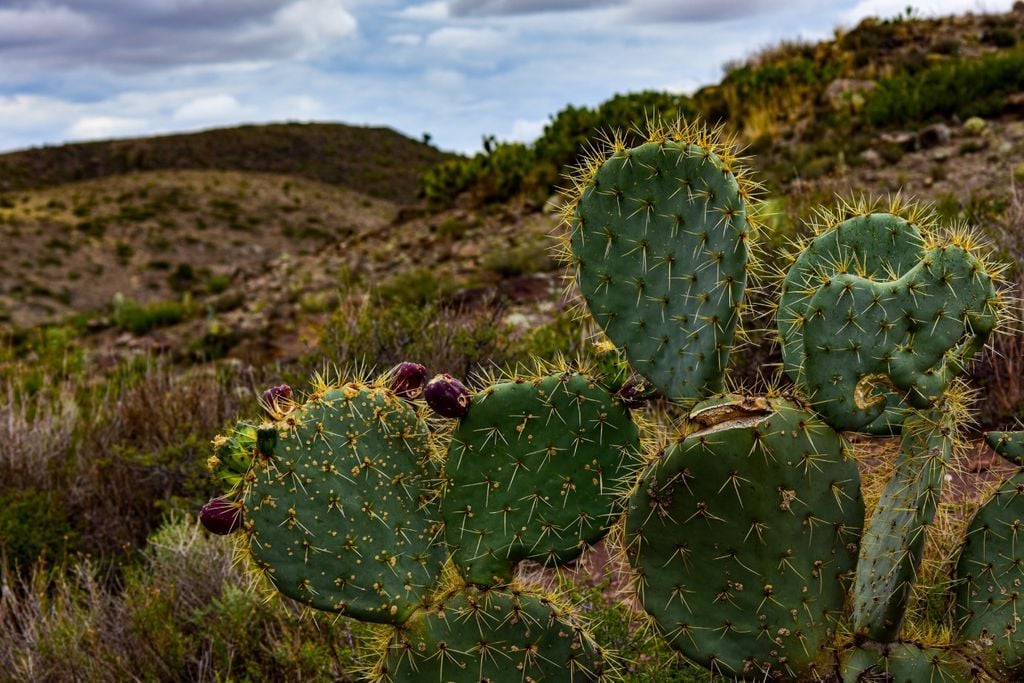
990,580
878,246
233,454
337,514
860,335
491,635
531,474
893,541
659,241
905,663
1010,445
744,536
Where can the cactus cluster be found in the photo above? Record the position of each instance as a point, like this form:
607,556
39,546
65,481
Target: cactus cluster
414,504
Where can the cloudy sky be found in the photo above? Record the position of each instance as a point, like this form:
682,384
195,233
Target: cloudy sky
458,69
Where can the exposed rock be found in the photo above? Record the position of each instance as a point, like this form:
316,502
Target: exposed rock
840,92
871,158
934,135
904,139
1014,103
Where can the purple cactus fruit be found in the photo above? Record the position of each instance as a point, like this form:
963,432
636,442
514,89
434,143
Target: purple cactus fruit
447,396
276,396
221,516
635,392
407,380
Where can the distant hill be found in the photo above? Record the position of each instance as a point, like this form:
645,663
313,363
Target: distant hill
376,161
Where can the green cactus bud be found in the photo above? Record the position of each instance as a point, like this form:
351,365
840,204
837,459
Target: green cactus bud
659,239
861,334
744,536
338,514
990,576
893,541
474,635
531,474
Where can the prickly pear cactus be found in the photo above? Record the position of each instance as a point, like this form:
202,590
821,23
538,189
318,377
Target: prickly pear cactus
893,541
861,334
659,241
338,509
990,580
1010,445
744,535
854,239
906,663
474,635
532,473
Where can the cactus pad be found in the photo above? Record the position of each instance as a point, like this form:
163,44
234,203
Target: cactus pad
878,246
477,635
990,574
1010,445
659,238
743,536
893,541
335,510
862,334
905,663
531,474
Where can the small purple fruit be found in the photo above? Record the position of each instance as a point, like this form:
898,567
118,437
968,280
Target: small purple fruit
221,516
407,380
274,397
447,396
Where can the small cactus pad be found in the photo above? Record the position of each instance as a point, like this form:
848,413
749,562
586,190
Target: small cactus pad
905,663
862,334
743,536
531,474
336,511
1010,445
878,246
893,541
233,454
659,241
492,635
990,575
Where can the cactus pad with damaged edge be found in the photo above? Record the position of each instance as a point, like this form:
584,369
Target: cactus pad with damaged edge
531,473
659,240
744,536
337,507
893,542
862,334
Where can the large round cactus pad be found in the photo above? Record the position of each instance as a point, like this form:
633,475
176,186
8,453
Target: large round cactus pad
533,472
659,239
337,514
493,636
744,536
905,663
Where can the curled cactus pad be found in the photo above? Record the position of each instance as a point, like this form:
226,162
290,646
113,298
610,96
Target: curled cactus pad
532,473
908,334
744,536
660,241
338,504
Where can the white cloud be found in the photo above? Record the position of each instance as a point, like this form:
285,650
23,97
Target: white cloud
410,39
444,79
886,9
431,11
39,23
220,107
526,130
100,127
465,39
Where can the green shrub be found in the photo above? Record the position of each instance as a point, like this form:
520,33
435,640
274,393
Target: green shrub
34,524
136,318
